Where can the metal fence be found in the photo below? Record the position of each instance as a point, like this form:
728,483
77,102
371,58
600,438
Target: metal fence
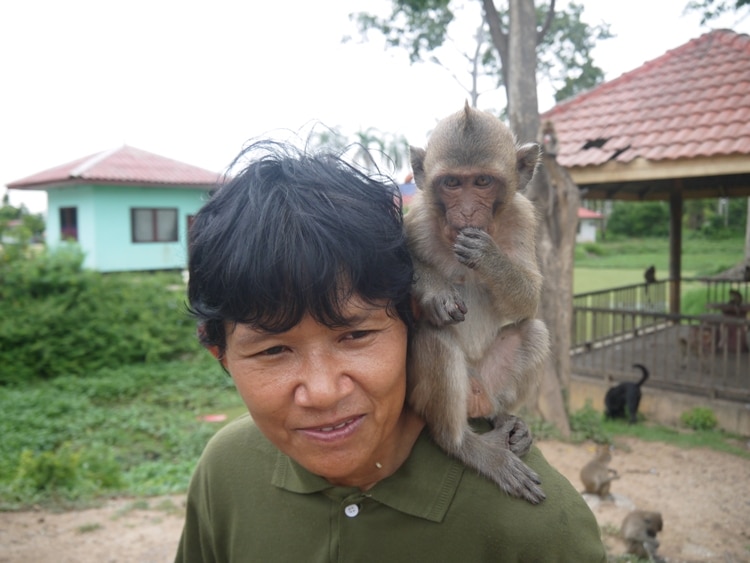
703,354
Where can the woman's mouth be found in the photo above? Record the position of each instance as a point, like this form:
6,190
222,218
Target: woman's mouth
336,431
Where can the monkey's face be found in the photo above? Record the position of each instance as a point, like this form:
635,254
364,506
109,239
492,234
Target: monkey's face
469,199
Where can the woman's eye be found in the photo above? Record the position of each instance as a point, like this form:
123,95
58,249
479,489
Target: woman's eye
358,334
272,351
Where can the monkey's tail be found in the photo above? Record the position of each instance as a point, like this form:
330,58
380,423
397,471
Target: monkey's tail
645,373
488,454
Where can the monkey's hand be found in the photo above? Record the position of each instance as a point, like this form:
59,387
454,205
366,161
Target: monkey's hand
472,245
443,308
519,434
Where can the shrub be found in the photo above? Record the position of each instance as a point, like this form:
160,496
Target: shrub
58,319
699,418
586,424
66,472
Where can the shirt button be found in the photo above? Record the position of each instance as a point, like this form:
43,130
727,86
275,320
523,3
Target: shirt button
352,510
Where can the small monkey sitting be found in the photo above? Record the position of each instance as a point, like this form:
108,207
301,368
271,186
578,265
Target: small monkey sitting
597,475
477,349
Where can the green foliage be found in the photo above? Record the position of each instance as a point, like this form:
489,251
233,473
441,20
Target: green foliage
713,439
586,424
565,54
699,418
642,219
58,319
31,226
700,257
129,430
712,9
66,473
421,27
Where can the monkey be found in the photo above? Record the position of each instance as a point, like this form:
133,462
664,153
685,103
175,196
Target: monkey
477,349
596,474
622,400
638,530
650,274
549,138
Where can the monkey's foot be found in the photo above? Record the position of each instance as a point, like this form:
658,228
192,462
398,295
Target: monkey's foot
509,472
518,434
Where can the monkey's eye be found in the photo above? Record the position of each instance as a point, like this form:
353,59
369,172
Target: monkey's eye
483,180
451,182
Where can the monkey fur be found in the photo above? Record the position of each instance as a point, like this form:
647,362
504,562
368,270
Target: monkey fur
638,530
477,349
597,475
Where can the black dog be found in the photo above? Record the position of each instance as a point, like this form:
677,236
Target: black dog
621,401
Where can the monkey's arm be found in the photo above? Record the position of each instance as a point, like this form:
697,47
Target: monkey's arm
439,300
514,280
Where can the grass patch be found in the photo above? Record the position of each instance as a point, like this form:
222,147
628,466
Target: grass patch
589,424
134,431
700,257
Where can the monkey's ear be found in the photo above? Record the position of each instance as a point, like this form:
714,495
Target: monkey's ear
527,156
417,165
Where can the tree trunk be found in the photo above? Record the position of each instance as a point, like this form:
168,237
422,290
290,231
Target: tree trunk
747,236
557,200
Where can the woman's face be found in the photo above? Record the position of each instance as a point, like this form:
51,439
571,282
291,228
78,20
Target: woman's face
331,399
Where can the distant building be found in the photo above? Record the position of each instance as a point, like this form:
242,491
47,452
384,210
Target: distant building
128,209
588,225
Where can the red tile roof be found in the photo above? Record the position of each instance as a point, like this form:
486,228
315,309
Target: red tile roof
125,165
584,213
693,101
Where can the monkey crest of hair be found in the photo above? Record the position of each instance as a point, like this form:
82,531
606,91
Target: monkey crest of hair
478,349
468,137
295,233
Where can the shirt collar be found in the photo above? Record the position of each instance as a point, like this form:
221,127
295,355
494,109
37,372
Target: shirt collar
423,486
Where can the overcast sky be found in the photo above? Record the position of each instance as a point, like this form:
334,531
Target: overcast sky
194,80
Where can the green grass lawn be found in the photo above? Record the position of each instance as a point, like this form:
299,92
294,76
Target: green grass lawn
614,264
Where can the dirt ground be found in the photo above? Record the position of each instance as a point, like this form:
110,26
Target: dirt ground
704,497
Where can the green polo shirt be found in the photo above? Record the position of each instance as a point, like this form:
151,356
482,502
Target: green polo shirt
249,502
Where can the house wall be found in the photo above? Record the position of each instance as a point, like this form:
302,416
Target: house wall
586,231
104,225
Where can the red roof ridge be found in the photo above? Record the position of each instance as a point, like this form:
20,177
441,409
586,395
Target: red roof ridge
123,165
93,160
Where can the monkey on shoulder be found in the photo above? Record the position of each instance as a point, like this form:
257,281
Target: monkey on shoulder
477,349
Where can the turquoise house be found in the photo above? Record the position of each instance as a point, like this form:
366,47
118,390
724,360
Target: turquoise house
128,209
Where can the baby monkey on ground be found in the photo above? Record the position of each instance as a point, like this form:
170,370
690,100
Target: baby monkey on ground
639,529
597,475
477,349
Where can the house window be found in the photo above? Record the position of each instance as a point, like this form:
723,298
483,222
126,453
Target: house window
154,225
69,223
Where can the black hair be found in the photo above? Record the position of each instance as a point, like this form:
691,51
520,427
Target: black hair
296,233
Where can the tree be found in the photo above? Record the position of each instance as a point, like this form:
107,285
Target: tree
369,149
713,9
515,35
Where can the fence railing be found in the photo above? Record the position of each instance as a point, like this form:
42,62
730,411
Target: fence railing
705,354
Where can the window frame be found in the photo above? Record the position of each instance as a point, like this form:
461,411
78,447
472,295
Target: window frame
157,229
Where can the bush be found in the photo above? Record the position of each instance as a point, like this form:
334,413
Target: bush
642,219
699,418
58,319
586,424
